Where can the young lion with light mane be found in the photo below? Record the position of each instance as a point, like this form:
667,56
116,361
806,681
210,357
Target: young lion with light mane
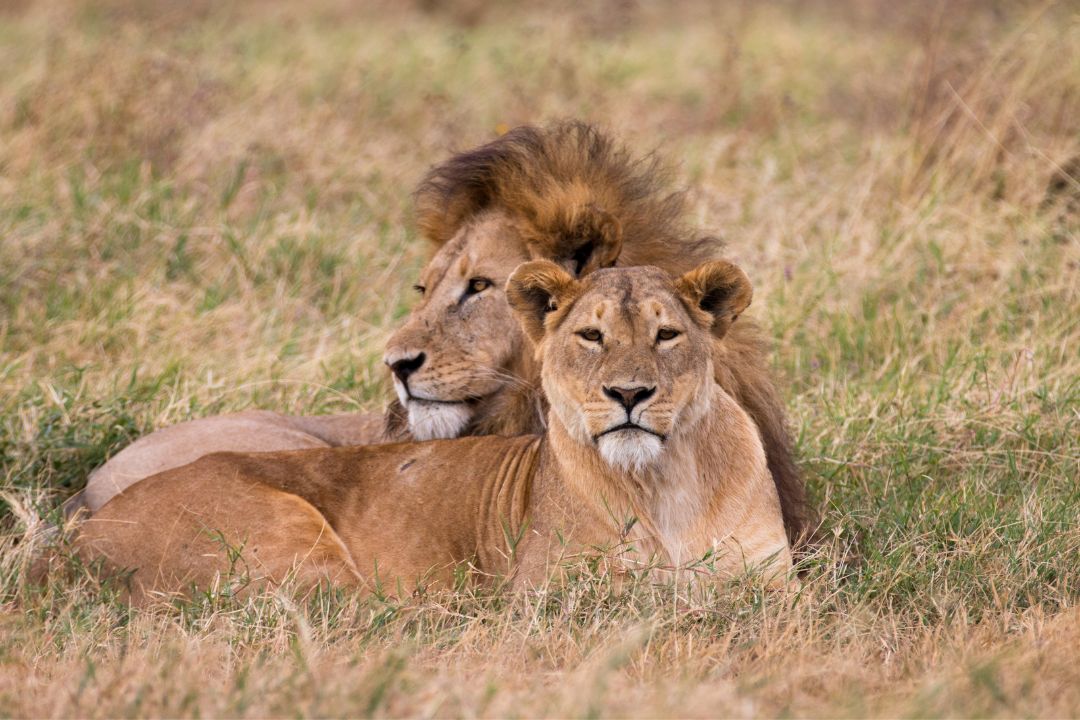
566,193
638,428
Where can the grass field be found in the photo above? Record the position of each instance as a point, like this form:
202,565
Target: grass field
207,209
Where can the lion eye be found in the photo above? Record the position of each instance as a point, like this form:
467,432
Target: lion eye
591,335
478,285
667,334
419,289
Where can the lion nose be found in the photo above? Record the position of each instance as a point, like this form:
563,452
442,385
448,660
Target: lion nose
629,397
406,366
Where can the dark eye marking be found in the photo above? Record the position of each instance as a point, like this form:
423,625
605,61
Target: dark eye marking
476,286
667,334
591,335
419,289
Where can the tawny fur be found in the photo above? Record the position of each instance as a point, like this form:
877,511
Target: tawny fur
394,517
566,193
250,431
555,194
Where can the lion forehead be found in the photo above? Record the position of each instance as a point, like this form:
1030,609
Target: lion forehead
488,247
627,300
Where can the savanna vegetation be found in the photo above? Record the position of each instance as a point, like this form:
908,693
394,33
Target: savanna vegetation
204,207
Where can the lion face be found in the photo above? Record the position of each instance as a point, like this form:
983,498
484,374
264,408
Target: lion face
627,353
460,344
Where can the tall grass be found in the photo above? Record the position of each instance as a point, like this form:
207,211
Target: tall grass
205,208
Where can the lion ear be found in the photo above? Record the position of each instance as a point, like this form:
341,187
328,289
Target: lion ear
534,290
587,238
719,289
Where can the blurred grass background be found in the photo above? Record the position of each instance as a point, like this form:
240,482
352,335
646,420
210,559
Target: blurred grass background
205,207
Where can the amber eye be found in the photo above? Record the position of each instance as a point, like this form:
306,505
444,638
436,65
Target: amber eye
478,285
419,289
591,335
666,334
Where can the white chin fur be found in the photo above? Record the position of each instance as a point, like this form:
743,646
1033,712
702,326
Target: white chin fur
630,449
437,421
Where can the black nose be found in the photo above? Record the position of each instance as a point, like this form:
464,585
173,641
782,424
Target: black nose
629,397
405,367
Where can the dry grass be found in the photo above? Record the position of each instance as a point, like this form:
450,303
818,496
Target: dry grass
198,205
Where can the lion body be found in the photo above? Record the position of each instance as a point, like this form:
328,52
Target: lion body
567,194
250,431
394,517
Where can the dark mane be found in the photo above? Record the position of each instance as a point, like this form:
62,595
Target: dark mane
547,177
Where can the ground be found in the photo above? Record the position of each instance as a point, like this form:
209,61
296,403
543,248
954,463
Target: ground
205,207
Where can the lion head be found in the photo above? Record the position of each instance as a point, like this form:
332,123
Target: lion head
627,354
567,194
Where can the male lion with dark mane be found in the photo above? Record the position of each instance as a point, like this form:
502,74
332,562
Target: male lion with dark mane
461,365
646,458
